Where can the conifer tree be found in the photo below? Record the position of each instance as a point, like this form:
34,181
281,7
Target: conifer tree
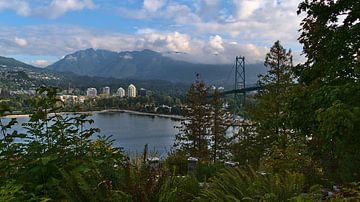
220,120
268,113
194,131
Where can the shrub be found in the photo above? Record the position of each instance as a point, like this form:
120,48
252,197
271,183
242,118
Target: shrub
245,184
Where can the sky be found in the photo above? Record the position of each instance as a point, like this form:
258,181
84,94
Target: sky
40,32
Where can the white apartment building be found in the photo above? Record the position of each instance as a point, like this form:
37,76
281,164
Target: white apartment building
91,92
131,91
120,92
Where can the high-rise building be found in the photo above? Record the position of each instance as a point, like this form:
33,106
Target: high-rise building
142,92
106,90
131,91
91,92
120,92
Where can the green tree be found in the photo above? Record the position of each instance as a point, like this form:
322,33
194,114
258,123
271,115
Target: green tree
56,159
325,105
194,131
268,113
10,149
220,120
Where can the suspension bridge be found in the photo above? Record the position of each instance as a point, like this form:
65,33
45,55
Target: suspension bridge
240,86
239,91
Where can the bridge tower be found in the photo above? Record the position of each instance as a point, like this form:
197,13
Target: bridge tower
239,84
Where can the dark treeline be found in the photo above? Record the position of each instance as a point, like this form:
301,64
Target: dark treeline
153,103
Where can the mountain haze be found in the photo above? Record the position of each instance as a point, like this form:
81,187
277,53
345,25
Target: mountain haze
12,63
147,65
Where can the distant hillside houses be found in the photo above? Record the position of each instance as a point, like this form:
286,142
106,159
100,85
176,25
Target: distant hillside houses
72,99
22,92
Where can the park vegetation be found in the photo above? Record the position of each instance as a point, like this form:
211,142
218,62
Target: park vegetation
301,139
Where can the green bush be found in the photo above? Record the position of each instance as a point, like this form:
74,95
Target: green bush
245,184
205,171
178,188
177,162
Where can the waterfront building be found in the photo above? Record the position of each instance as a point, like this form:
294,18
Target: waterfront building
81,99
131,91
120,92
106,91
22,92
69,99
142,92
91,92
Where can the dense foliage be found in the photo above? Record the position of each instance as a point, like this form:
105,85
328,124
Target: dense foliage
55,159
325,105
203,132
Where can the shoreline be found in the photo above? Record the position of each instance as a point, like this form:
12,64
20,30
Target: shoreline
176,117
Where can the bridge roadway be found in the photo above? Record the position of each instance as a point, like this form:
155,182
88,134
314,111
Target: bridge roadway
243,90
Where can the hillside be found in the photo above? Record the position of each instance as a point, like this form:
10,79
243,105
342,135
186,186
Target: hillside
147,65
16,75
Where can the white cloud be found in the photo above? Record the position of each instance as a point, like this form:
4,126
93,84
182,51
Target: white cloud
181,14
246,8
172,41
19,6
145,31
128,57
55,9
153,5
253,21
20,41
59,7
216,43
263,21
40,63
57,41
211,2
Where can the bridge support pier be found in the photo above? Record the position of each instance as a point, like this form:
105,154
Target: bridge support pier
239,84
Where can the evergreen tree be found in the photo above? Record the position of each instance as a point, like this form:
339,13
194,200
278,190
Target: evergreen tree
194,131
220,123
269,112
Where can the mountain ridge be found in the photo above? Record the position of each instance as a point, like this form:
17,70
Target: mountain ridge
11,62
16,75
146,65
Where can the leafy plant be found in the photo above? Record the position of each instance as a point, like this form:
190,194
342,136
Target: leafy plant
9,190
178,188
246,184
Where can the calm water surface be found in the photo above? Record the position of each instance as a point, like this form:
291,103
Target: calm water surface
132,132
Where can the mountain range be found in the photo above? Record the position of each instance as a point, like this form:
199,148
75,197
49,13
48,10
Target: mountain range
16,75
148,65
98,68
